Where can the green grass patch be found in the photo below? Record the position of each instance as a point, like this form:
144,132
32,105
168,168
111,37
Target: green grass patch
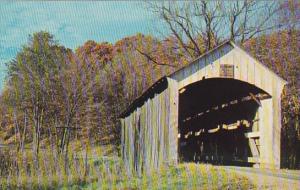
51,171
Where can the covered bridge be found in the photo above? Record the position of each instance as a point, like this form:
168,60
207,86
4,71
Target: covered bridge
222,108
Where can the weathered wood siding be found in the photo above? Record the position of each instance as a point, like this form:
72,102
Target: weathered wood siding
149,133
247,69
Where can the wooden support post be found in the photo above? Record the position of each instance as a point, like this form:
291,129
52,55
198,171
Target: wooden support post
253,147
255,99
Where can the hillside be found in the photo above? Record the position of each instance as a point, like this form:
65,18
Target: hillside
102,87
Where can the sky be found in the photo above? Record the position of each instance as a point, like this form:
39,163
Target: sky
71,22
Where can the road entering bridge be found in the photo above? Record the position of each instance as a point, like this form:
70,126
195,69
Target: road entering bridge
269,179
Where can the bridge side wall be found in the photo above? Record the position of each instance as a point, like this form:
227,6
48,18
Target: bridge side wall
149,133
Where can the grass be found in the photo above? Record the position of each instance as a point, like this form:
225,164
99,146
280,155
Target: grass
101,172
183,176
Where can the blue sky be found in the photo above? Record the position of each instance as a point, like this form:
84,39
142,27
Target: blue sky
71,22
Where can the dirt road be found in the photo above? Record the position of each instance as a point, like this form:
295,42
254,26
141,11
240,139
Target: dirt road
270,179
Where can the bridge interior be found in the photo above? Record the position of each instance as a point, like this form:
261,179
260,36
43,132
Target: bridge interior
214,116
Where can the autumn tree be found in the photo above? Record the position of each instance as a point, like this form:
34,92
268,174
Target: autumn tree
280,51
31,78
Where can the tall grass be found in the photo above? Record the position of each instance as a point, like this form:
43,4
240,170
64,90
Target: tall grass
91,169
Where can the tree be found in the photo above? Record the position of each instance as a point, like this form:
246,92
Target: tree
279,50
200,25
31,77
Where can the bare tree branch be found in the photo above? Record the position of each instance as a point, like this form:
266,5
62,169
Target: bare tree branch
153,59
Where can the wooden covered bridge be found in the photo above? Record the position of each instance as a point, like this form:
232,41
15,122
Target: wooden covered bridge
222,108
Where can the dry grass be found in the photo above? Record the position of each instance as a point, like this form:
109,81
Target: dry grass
102,172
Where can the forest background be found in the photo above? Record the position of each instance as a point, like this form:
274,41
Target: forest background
59,97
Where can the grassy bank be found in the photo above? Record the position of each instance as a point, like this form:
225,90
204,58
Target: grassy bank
96,170
183,176
112,176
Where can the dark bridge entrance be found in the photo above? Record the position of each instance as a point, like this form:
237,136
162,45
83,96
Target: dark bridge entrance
214,116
